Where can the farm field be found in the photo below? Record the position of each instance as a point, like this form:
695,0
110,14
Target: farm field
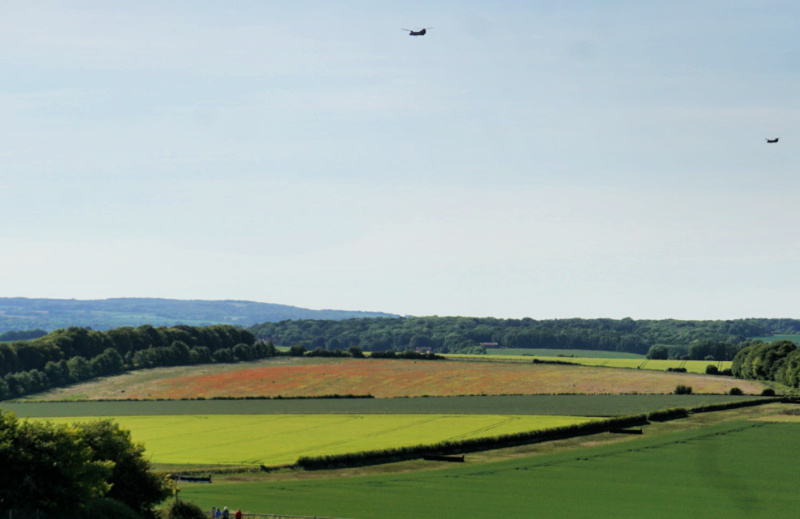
281,439
691,366
736,470
390,378
549,352
555,405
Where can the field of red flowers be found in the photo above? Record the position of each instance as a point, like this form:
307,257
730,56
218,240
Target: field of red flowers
400,378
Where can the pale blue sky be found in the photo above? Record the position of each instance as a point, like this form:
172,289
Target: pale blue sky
525,158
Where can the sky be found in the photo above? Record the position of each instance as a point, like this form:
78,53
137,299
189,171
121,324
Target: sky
523,159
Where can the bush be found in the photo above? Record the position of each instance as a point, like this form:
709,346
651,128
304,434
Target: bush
712,370
768,392
183,510
355,352
680,389
297,350
735,391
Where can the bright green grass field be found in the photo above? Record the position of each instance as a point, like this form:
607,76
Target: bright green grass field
550,352
282,439
692,366
738,470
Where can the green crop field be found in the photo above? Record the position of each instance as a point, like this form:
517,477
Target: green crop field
556,405
282,439
692,366
549,352
736,470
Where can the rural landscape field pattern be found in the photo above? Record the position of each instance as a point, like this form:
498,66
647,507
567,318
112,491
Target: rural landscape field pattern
514,488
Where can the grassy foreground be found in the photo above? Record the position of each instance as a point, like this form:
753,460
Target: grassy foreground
734,470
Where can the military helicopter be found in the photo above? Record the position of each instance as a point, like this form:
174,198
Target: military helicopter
420,32
773,141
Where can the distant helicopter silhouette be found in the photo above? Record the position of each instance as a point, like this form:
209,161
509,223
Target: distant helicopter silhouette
420,32
773,141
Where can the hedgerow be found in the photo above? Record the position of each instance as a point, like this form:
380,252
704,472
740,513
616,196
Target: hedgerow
472,445
732,405
672,413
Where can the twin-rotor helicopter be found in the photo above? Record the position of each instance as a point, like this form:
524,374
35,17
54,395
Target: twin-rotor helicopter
418,32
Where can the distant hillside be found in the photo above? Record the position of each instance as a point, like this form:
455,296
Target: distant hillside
19,313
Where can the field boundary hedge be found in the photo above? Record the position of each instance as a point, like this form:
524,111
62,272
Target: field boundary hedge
674,413
733,405
377,457
446,448
664,415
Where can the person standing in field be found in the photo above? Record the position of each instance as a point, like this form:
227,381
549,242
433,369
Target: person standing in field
225,513
218,513
238,514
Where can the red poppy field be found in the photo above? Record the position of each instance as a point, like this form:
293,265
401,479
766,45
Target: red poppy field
405,378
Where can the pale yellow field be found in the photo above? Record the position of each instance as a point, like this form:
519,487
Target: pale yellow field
282,439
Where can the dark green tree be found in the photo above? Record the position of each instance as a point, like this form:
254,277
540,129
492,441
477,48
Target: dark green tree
658,351
132,481
48,468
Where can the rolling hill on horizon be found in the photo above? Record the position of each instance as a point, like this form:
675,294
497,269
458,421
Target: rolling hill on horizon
20,313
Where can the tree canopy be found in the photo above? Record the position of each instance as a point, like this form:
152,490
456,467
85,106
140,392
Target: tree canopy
777,361
696,339
62,470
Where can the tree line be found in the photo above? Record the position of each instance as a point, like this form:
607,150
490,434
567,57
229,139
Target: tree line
76,354
471,334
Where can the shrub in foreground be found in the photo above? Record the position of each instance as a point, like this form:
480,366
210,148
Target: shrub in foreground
107,508
680,389
183,510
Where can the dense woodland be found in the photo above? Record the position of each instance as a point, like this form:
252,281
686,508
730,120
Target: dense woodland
467,334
